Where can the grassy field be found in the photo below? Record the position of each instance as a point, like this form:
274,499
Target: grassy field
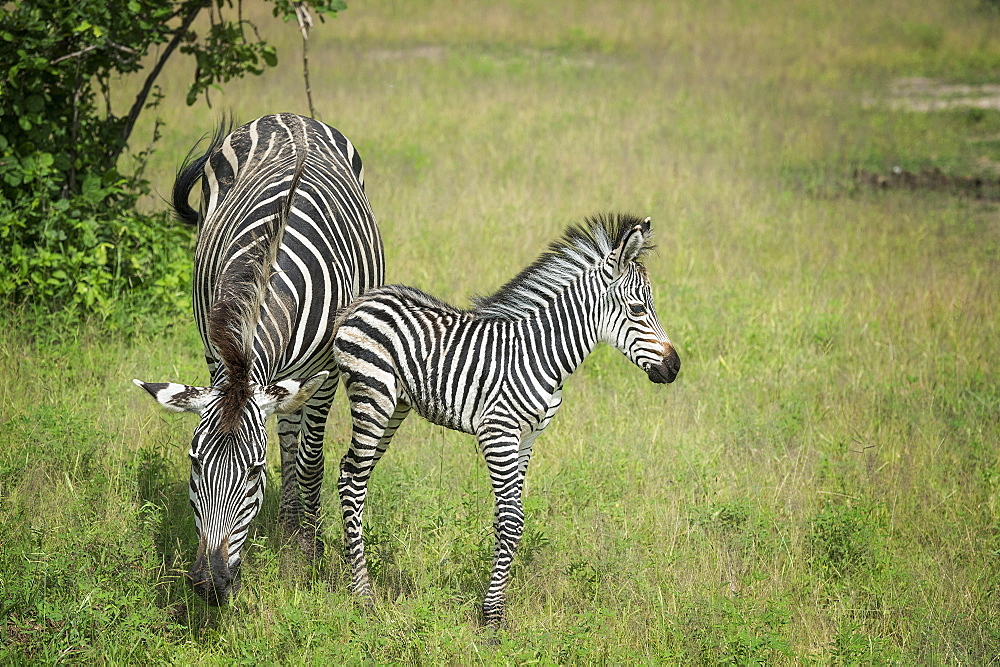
820,485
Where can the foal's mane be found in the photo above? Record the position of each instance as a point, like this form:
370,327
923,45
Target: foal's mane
239,294
581,249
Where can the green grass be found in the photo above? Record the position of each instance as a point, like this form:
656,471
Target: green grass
822,482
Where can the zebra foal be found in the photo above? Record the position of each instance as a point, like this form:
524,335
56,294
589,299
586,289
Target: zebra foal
495,370
286,237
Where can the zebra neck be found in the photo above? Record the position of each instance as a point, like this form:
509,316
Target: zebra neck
562,334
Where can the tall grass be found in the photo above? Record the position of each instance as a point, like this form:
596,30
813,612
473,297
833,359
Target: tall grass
820,484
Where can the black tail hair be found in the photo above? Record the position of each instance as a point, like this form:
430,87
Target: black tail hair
192,170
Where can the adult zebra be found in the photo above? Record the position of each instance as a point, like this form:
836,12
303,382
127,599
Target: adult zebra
286,238
496,370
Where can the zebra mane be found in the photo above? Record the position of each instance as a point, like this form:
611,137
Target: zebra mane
236,308
581,249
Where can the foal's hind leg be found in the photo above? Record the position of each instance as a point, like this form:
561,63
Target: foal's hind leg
373,428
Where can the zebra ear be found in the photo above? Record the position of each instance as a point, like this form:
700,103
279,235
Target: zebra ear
630,248
178,397
288,396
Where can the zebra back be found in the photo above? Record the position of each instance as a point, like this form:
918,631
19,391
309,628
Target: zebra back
329,252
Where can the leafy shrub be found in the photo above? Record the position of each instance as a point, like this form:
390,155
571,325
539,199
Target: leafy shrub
70,240
88,254
845,538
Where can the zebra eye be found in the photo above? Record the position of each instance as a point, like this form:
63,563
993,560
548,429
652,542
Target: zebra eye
255,471
196,466
637,309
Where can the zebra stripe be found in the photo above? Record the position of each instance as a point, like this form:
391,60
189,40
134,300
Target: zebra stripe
286,239
496,370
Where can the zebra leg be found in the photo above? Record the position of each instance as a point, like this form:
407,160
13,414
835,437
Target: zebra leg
309,462
372,432
290,506
508,489
502,462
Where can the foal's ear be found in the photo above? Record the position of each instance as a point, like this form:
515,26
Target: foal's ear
630,248
288,396
179,397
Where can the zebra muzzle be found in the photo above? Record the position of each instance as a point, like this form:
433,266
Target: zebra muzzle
211,576
665,371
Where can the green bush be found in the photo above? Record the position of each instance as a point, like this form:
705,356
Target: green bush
846,538
92,254
71,242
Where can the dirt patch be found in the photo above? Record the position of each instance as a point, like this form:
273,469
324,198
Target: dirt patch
934,179
925,95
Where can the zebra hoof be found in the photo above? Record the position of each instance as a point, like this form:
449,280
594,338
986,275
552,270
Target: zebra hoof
494,620
490,636
291,523
312,545
364,594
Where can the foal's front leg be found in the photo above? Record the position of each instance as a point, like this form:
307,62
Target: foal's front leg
501,450
370,438
507,457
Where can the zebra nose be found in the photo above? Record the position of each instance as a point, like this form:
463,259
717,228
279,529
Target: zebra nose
211,576
665,371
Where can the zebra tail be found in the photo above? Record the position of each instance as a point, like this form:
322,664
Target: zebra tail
192,170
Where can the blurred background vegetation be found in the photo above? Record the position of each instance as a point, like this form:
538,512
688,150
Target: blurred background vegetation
820,484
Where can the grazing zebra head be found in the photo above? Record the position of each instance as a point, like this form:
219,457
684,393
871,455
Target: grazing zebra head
227,466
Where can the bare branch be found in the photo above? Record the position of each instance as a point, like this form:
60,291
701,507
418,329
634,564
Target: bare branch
91,48
75,53
305,23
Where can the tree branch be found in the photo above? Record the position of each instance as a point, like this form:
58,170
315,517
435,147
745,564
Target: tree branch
75,54
305,23
140,99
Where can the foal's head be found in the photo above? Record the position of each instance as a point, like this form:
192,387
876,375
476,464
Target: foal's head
627,319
